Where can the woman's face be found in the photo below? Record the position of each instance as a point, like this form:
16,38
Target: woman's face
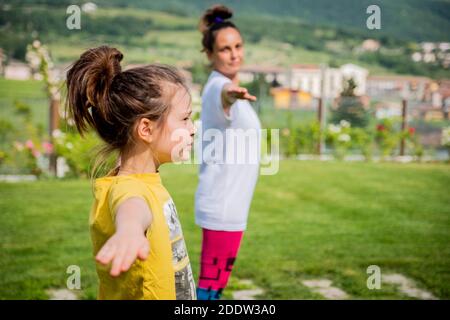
228,52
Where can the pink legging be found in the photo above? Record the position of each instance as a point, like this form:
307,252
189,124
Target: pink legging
219,251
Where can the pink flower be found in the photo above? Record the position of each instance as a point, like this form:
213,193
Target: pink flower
48,147
35,153
380,127
412,130
29,144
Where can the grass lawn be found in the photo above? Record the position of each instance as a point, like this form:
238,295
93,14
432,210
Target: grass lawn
29,92
311,220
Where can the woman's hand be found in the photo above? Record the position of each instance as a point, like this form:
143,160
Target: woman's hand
133,218
232,92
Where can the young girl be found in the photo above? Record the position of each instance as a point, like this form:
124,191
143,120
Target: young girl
135,231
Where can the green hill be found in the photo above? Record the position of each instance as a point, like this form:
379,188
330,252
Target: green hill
419,20
281,33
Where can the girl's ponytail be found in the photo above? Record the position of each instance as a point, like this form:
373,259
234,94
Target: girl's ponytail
88,87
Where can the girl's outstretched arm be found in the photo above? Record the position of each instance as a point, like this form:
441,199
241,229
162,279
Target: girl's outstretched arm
133,218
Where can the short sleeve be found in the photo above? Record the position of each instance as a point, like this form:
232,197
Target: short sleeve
125,189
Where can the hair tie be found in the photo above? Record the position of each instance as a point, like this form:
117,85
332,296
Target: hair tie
89,103
218,20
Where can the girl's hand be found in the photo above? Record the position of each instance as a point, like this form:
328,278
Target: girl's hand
133,218
122,249
232,92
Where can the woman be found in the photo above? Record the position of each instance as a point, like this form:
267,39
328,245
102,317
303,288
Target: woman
225,187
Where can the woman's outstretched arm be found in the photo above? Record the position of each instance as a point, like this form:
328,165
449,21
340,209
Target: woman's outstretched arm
232,92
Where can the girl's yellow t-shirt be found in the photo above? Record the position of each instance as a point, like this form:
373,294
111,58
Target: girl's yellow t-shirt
166,273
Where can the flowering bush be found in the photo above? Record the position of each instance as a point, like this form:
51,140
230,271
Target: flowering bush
339,138
445,137
309,136
27,150
296,139
289,138
383,139
363,139
78,151
412,142
39,59
386,137
24,148
26,157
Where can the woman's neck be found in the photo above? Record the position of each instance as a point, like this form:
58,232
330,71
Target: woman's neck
233,77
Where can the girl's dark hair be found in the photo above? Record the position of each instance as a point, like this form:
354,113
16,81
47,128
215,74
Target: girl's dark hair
215,18
101,96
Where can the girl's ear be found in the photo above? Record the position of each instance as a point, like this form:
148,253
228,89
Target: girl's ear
145,130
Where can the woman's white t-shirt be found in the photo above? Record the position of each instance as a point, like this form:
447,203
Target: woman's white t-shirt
230,157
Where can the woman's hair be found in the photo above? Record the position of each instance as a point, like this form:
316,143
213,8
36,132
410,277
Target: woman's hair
101,96
215,18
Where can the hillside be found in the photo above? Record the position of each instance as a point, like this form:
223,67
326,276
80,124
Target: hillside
165,31
418,20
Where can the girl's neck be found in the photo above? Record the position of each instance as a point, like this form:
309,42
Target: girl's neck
137,163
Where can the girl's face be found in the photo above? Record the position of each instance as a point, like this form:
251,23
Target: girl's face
176,135
228,52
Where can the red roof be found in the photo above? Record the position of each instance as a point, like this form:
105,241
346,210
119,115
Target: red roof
306,66
397,78
262,69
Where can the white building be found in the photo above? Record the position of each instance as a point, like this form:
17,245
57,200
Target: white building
271,73
89,7
398,86
17,71
370,45
308,78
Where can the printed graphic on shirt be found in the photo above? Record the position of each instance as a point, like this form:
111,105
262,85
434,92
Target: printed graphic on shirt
184,280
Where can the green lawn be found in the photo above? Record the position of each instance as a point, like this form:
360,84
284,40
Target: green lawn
29,92
312,219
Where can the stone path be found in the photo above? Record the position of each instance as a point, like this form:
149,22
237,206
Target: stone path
249,293
324,287
61,294
407,286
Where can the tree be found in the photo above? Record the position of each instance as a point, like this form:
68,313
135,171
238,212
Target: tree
350,107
